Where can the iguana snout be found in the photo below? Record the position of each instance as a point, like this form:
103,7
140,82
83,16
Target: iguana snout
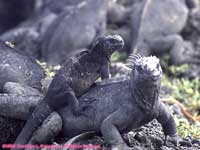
113,42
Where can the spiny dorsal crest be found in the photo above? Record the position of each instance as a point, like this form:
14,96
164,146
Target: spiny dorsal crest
132,60
137,59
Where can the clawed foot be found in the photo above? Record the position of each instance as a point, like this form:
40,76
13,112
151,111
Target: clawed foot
176,140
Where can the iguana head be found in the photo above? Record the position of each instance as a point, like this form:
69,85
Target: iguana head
145,79
145,68
106,45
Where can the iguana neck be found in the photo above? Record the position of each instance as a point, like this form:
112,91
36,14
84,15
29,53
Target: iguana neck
98,54
146,96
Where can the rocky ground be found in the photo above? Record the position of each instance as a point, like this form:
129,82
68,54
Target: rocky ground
149,137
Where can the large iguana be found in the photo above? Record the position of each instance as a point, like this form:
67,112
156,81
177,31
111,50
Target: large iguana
121,105
75,77
129,104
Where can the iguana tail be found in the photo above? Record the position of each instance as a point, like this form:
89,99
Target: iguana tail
80,137
22,104
36,119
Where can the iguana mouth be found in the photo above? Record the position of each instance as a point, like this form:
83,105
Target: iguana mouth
116,42
155,77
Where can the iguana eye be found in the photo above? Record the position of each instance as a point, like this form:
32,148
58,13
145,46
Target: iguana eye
139,68
107,44
112,40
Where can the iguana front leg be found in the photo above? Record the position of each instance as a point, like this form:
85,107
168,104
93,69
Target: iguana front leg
110,132
105,71
168,124
73,102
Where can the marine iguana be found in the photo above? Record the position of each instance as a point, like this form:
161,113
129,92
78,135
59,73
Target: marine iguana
129,104
75,77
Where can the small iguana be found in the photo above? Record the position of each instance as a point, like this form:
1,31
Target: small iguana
75,77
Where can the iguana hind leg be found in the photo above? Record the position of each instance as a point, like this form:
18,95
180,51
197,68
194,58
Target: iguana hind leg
48,131
61,94
74,125
36,119
110,131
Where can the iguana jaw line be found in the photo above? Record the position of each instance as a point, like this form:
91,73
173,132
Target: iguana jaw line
145,82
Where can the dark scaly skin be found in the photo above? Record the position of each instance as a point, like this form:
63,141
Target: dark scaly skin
129,104
18,106
17,67
75,78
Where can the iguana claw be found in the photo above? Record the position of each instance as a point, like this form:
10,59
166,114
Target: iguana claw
175,139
